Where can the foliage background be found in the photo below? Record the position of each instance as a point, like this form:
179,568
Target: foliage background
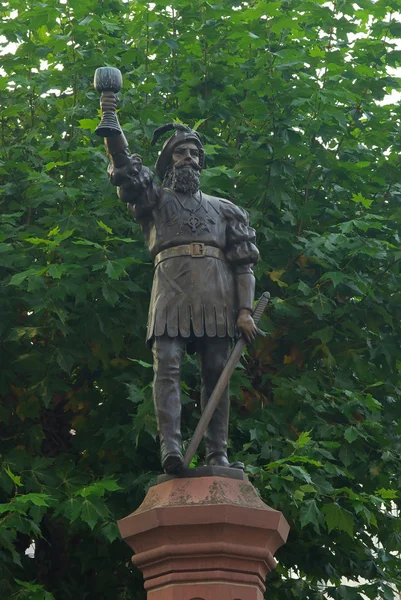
287,95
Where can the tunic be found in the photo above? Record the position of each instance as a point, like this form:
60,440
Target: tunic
191,296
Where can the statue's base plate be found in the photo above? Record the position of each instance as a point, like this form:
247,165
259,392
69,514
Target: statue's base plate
226,472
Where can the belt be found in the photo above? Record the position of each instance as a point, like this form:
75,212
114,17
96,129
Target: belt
194,250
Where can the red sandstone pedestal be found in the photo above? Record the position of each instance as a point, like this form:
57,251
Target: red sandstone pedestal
205,538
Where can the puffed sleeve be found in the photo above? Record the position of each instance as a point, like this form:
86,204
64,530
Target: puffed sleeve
241,238
242,253
134,184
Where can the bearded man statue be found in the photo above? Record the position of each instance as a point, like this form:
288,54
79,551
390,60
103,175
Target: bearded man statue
203,288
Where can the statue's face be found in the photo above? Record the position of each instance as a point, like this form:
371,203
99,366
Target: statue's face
186,153
184,172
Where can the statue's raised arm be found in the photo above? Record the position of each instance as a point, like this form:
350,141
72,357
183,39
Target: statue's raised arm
133,180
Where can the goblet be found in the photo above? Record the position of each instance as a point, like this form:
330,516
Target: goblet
108,79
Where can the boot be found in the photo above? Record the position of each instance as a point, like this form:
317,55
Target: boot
167,353
217,434
169,426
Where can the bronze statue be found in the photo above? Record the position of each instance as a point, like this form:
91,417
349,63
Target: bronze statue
203,287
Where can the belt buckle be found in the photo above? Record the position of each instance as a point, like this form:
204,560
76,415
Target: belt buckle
197,249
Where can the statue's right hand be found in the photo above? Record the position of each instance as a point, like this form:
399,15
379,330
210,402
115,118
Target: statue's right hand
108,102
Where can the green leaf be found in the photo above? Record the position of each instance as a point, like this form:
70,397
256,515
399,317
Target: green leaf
98,489
110,485
105,227
38,241
309,513
351,434
56,271
338,518
65,361
144,364
37,591
198,124
347,455
359,198
85,22
299,473
326,334
18,278
303,439
387,592
335,276
89,513
6,508
14,478
114,269
61,163
109,294
90,124
317,52
387,494
36,499
71,508
54,231
111,532
308,488
83,242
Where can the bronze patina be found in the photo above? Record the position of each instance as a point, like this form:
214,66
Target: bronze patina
203,288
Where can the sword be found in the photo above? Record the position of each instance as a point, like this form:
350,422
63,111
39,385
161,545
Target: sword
221,385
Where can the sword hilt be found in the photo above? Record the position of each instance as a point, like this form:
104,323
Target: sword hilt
260,307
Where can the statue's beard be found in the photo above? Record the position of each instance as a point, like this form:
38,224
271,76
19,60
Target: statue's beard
184,179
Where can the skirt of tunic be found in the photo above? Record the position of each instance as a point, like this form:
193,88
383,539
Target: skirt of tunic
192,297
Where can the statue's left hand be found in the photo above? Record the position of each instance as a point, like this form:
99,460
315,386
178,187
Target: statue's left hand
246,325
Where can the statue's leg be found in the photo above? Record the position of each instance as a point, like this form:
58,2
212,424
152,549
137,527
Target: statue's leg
167,357
213,354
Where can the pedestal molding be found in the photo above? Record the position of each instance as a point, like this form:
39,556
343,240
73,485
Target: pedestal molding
166,516
209,538
194,562
156,555
212,577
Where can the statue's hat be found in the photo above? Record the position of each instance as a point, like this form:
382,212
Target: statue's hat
181,135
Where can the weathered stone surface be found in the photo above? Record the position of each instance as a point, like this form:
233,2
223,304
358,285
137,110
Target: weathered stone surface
204,538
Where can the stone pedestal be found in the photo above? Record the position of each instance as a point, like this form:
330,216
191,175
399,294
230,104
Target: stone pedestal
205,538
